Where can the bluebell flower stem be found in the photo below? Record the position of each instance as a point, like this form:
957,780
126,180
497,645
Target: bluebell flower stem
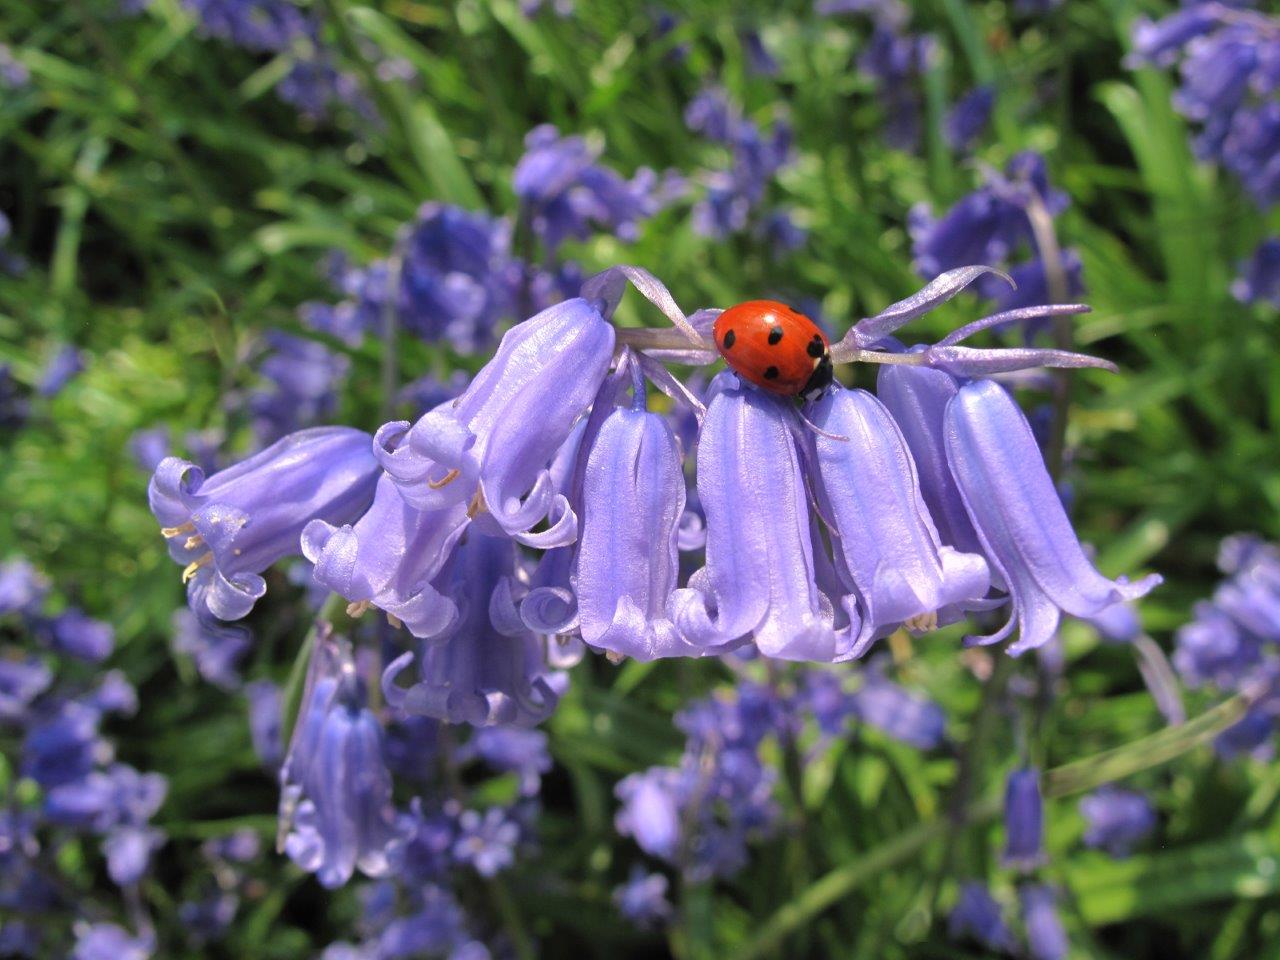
512,922
390,372
333,606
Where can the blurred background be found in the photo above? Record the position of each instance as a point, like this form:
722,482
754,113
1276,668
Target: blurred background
225,220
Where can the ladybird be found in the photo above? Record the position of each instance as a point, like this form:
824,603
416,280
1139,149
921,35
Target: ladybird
776,348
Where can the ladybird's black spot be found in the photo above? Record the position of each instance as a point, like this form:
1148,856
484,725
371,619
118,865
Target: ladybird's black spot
771,373
816,347
729,337
774,336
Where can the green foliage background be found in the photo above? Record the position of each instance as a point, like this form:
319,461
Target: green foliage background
172,208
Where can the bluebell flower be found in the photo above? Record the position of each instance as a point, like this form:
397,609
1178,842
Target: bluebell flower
486,841
758,584
1046,938
968,117
1259,279
228,529
74,633
239,846
567,194
336,811
65,363
897,61
1116,819
302,378
1023,820
627,563
266,722
823,694
255,24
523,752
22,587
902,715
893,567
992,225
21,681
115,798
389,557
978,916
128,850
114,694
216,648
498,439
208,918
650,811
1020,520
643,899
14,74
108,941
149,447
487,668
759,60
62,744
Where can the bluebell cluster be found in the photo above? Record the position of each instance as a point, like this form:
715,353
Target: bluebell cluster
1230,92
734,198
1231,642
993,224
54,703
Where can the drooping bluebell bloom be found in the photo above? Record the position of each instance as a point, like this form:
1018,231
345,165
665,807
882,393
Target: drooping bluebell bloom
114,694
214,647
1116,819
109,941
1023,820
992,225
1046,937
978,916
643,899
498,439
758,584
733,194
389,557
566,193
22,587
897,61
128,850
456,277
229,528
486,841
62,744
759,60
627,563
336,812
887,551
65,363
905,716
650,811
968,118
1020,520
918,397
488,668
74,633
21,681
302,379
266,722
1259,279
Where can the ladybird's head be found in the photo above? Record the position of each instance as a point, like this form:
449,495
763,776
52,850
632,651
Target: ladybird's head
822,377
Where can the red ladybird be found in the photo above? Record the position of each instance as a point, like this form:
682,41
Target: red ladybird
775,348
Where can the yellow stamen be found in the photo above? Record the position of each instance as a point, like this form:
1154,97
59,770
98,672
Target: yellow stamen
444,481
190,570
477,505
923,623
395,621
613,656
171,532
357,609
900,646
193,542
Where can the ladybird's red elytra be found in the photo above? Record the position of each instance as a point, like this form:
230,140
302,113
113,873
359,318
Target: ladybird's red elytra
776,348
